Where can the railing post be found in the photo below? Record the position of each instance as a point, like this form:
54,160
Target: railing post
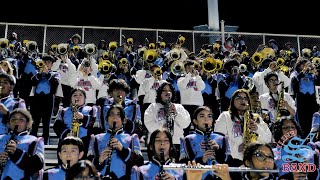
44,40
82,39
222,32
6,31
298,42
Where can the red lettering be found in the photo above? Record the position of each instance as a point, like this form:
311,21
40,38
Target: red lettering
311,167
302,167
286,167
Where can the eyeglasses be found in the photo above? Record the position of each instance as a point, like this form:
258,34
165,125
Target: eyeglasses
239,98
288,127
261,157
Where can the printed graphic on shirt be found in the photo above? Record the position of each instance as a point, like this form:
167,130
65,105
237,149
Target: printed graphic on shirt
271,104
155,85
86,85
64,67
192,84
161,115
236,130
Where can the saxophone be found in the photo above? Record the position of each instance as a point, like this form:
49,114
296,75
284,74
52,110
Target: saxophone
248,135
75,123
169,115
280,102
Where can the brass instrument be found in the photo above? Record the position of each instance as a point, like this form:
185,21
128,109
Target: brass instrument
130,41
268,52
11,47
175,54
54,47
280,102
4,43
244,54
105,67
141,51
243,68
105,55
257,58
219,64
76,48
306,53
152,46
197,66
216,47
150,56
108,160
202,53
177,68
90,49
75,123
169,115
209,168
316,61
113,45
62,48
181,40
123,61
209,64
39,64
282,66
31,46
12,137
157,72
248,135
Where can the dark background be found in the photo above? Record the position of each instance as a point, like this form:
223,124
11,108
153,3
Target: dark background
256,17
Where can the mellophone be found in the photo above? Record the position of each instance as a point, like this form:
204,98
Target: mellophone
209,168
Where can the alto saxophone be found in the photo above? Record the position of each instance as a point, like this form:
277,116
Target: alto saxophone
280,103
248,135
75,122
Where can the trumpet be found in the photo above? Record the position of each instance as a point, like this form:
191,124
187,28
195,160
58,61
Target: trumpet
113,45
219,65
152,46
181,40
157,72
40,64
124,61
216,47
316,61
209,168
54,47
11,47
243,68
62,48
4,43
105,67
76,48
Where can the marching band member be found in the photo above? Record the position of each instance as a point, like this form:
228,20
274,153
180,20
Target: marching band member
83,169
271,100
7,102
77,119
45,84
118,90
164,113
86,80
190,87
231,124
70,151
115,152
161,152
67,69
287,133
305,95
22,154
204,146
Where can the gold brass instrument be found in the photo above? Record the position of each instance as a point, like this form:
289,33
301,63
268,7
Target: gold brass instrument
175,54
141,51
281,64
202,53
105,55
62,48
306,52
123,61
54,47
113,45
209,64
11,47
257,58
157,71
76,48
31,46
177,68
150,56
130,41
90,49
216,47
4,43
25,42
75,122
243,68
209,168
152,46
181,40
248,135
280,102
197,66
268,52
316,61
105,67
39,64
244,54
219,64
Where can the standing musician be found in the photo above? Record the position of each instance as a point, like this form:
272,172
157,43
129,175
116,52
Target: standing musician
115,152
45,84
118,89
237,126
160,152
7,102
204,146
275,100
21,154
77,119
164,113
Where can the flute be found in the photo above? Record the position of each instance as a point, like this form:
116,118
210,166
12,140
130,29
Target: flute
209,168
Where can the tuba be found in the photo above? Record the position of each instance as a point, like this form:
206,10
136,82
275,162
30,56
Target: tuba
177,68
175,54
150,56
90,49
209,64
62,48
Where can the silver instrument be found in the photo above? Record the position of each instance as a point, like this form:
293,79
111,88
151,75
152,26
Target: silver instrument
209,168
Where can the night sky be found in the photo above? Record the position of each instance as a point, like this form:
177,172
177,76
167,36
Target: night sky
270,17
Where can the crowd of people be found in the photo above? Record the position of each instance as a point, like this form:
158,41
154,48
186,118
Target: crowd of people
220,108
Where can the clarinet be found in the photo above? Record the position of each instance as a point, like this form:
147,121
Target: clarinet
207,138
108,165
169,116
13,137
162,161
